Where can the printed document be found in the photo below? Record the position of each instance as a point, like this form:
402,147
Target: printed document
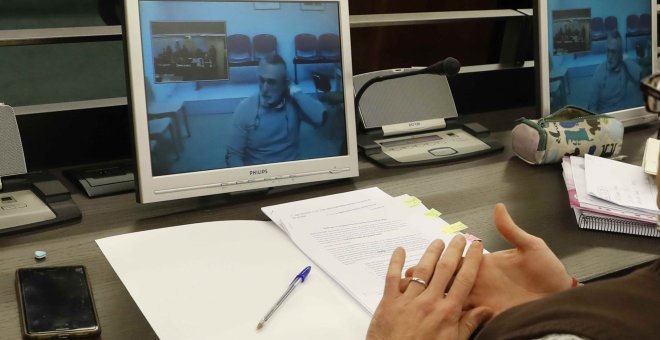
346,202
353,242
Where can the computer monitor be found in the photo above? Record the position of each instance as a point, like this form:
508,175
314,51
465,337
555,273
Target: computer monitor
262,96
593,54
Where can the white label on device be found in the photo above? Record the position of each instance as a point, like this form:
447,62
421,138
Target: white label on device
431,145
416,126
22,207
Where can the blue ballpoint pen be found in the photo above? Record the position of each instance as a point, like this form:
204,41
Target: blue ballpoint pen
296,280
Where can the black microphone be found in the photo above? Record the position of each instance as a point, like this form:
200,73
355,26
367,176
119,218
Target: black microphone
449,67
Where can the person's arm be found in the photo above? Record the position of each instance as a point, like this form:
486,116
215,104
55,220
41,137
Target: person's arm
312,110
429,308
237,141
634,71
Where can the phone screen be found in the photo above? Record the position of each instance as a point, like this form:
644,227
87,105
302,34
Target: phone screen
56,299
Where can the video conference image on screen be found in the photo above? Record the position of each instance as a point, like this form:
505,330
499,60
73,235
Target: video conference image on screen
222,92
599,51
189,51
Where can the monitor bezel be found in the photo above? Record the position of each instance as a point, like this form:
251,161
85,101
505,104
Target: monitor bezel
152,188
629,117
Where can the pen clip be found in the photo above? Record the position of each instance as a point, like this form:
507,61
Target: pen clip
303,274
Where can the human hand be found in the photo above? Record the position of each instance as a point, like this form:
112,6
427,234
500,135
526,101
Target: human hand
512,277
294,89
426,312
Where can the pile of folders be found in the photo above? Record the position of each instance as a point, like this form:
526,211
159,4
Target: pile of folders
612,196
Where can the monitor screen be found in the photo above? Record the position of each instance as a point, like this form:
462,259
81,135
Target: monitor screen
235,95
593,54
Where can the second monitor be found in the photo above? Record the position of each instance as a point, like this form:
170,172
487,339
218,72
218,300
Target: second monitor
593,54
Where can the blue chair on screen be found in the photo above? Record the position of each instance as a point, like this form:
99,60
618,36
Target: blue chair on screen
306,47
329,47
645,24
598,29
632,27
264,45
239,50
611,24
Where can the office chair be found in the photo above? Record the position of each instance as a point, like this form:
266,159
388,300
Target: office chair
632,27
611,24
329,46
645,24
263,46
306,52
598,29
239,50
306,46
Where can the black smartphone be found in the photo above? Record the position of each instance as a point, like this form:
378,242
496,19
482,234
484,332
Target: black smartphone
56,302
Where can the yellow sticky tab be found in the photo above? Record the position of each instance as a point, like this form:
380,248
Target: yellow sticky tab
454,228
412,202
432,213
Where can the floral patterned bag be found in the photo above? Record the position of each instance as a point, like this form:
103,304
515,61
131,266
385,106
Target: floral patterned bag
571,131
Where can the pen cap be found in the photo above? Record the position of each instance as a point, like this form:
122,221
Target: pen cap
303,274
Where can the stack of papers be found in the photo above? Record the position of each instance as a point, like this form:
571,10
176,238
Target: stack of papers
352,235
228,273
611,196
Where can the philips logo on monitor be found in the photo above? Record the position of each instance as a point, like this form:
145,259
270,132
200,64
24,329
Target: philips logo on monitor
258,172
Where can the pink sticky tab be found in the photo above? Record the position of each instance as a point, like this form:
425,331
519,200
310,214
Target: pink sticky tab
470,237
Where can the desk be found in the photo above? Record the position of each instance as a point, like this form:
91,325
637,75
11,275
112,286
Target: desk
465,191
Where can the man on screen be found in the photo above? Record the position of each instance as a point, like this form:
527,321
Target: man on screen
266,126
609,85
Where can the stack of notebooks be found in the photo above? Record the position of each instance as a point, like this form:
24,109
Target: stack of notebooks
612,196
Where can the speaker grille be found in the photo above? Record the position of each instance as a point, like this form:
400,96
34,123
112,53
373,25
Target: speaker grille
402,100
12,160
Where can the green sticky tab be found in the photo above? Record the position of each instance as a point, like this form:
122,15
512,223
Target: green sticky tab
454,228
412,201
432,213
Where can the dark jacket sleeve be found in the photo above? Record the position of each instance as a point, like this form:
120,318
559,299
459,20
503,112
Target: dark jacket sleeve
622,308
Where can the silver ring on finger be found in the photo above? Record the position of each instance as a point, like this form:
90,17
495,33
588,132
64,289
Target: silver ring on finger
418,280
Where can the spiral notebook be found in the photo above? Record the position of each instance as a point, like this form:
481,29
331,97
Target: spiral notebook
587,220
594,214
